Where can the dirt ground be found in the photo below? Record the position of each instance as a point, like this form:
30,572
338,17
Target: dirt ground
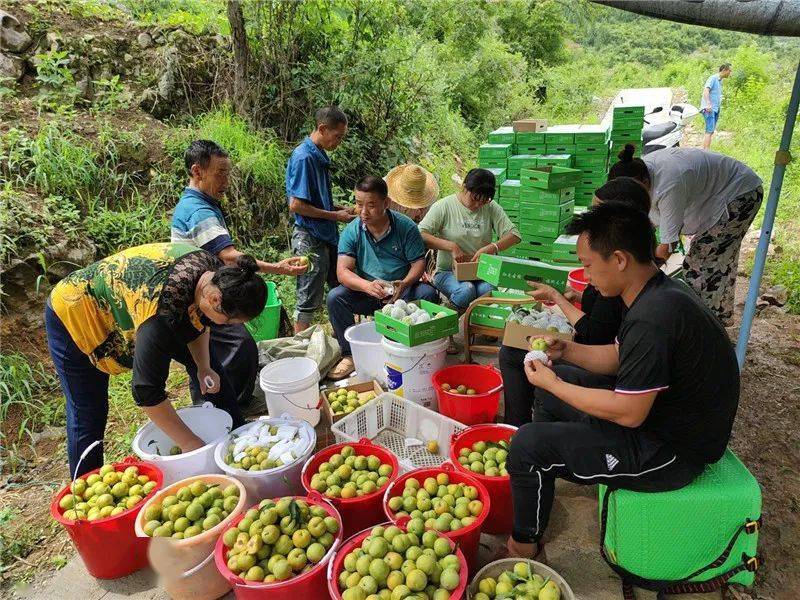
765,438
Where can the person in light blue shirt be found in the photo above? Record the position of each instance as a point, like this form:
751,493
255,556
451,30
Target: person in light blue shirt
381,259
199,220
316,218
711,102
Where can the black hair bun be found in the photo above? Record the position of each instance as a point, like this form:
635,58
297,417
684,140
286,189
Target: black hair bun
626,154
247,264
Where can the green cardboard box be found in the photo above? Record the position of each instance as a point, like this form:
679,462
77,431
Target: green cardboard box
543,229
494,316
546,212
515,163
508,204
591,135
592,171
560,148
591,160
628,111
619,145
560,134
626,135
627,124
494,151
590,181
555,160
540,196
510,189
499,175
502,135
514,273
549,177
597,149
492,163
534,149
528,251
565,250
414,335
529,138
583,198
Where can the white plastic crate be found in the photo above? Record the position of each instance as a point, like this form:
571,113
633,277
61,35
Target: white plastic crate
390,421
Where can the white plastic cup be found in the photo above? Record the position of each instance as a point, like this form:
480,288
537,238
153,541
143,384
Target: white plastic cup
291,386
368,354
409,371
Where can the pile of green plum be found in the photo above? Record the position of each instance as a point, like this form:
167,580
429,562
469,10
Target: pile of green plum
105,494
348,475
279,540
437,503
486,458
392,565
193,509
519,583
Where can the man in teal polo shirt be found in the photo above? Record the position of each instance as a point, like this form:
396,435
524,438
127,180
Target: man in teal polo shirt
381,259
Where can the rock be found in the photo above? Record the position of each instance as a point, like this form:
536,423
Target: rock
11,67
127,58
85,88
144,40
771,311
776,295
13,37
66,256
53,40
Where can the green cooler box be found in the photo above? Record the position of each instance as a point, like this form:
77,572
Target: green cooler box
670,536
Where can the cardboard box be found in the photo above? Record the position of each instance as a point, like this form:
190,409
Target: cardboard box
519,336
509,204
626,135
466,271
628,111
494,151
592,160
542,211
499,175
529,126
495,317
555,160
414,335
561,135
565,250
539,196
583,199
549,178
543,229
592,149
534,149
360,388
510,189
514,273
592,134
557,148
534,249
519,161
492,163
502,135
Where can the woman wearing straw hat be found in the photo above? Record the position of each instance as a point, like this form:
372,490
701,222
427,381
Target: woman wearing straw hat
412,190
461,227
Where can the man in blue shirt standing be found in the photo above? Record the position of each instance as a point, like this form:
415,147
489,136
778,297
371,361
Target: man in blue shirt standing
381,259
712,101
200,221
308,191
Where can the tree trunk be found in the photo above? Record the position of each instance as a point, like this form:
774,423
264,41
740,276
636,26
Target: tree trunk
241,58
765,17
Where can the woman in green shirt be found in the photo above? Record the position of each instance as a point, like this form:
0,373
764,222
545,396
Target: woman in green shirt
461,227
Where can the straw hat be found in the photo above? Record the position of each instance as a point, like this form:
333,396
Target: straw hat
411,186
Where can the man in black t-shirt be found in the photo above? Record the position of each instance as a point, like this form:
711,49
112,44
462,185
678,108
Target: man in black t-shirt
646,413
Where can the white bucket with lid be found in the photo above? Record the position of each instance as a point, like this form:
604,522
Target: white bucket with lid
409,370
206,421
291,386
368,354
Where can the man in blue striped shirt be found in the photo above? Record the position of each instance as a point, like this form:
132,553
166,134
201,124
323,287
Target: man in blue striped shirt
200,221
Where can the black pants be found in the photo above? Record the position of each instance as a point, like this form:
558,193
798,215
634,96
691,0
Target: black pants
233,347
564,442
518,392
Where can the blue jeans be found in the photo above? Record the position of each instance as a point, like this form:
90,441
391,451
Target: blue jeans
311,285
461,293
344,303
711,118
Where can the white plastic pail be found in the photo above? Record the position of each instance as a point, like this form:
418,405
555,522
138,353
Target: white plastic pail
291,386
368,354
409,370
207,422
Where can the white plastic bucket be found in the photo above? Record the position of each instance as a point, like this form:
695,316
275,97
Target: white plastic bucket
291,386
409,370
203,582
206,421
281,481
368,354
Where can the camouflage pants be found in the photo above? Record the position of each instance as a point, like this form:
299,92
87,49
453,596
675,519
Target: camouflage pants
713,257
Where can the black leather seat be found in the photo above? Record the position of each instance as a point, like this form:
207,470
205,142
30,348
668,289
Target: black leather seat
652,132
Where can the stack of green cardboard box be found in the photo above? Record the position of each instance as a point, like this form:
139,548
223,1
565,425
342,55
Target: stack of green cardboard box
626,128
591,159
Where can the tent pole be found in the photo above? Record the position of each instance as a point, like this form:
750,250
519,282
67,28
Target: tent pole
781,159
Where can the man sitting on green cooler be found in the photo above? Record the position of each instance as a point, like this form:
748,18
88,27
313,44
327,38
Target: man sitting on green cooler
381,259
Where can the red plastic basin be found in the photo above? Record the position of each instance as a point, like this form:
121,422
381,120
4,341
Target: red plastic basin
306,586
501,515
577,279
467,537
109,547
470,410
362,511
336,565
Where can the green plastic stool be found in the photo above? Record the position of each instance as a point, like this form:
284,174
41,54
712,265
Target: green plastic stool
682,535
